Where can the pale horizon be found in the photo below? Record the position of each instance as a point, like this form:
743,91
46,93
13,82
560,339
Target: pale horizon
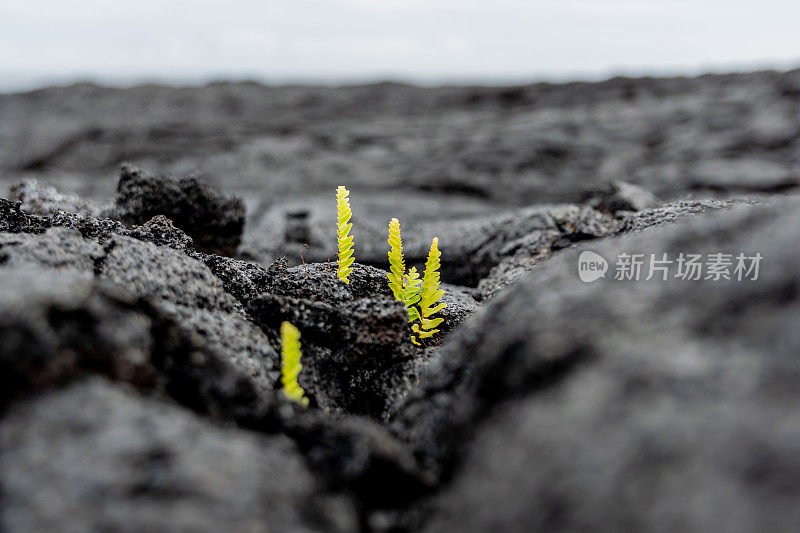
360,41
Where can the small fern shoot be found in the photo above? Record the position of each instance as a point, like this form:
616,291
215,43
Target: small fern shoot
290,364
410,293
397,266
430,293
343,237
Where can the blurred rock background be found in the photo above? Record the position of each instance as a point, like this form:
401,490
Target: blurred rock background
421,154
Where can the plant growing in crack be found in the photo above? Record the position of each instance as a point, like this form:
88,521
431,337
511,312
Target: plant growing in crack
290,364
410,293
397,266
429,295
343,237
418,295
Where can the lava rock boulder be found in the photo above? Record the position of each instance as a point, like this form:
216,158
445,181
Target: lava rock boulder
648,405
215,222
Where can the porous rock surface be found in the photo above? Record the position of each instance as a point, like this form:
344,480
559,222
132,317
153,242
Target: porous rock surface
150,332
215,222
445,151
82,296
55,325
94,456
642,405
364,360
44,199
140,368
615,196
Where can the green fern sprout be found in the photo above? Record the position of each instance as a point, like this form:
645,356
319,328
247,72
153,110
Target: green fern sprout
343,237
430,293
404,287
397,266
410,293
290,364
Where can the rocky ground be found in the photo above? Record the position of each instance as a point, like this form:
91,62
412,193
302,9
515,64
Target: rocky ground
140,305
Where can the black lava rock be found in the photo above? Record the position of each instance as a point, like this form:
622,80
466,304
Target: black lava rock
214,221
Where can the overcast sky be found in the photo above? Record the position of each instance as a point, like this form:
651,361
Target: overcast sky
425,41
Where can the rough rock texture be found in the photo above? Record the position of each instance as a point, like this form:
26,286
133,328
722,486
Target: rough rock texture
242,279
14,220
358,357
517,242
351,453
61,248
44,200
150,270
209,354
617,196
90,227
139,370
86,296
356,338
160,231
217,362
471,245
220,360
642,405
672,212
97,457
513,252
458,148
192,345
215,222
55,325
419,154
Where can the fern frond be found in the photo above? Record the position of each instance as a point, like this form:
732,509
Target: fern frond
410,293
429,294
290,364
343,237
397,266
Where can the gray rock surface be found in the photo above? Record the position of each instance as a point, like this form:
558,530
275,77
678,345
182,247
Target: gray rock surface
31,217
156,271
644,405
223,351
57,324
358,355
94,456
524,254
473,246
244,280
60,248
160,231
140,306
44,200
214,221
14,220
617,196
545,403
515,145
